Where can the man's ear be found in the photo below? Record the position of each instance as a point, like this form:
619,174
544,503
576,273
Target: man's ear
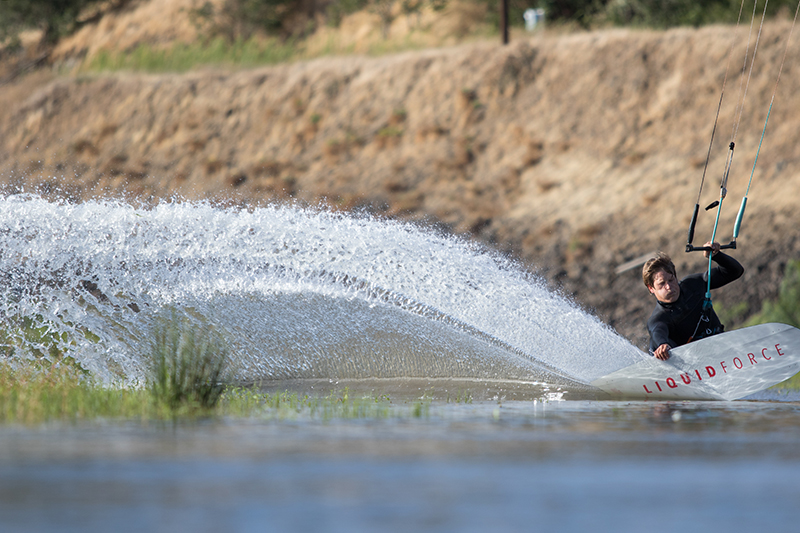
651,289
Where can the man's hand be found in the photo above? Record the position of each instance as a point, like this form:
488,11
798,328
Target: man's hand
662,352
714,247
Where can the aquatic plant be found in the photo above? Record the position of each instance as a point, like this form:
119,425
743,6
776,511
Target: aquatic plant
31,394
188,364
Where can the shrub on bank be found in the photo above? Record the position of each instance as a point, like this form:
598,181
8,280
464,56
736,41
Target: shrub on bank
55,18
786,307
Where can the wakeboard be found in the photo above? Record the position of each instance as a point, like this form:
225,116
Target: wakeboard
728,366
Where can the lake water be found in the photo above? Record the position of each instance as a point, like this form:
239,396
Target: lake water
497,466
313,300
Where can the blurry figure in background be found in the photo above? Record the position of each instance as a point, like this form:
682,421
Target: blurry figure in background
680,315
532,18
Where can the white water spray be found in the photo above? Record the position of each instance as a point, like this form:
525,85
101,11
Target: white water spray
297,294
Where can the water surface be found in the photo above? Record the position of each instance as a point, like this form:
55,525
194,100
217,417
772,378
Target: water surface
501,466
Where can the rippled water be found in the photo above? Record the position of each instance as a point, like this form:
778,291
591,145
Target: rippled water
498,466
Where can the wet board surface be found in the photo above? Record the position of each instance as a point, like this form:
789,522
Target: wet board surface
727,366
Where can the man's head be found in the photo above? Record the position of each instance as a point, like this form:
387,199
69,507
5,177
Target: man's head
660,278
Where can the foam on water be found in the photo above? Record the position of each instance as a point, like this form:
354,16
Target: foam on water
296,293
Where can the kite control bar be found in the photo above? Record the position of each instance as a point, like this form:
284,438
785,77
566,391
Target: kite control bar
690,248
736,227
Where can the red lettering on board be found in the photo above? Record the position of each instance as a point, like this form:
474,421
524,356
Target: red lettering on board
672,383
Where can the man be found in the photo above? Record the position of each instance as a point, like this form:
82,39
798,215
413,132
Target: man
679,316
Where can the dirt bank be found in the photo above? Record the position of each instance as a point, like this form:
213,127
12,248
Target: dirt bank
575,153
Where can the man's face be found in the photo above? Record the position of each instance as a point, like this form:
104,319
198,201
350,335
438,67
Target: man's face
665,287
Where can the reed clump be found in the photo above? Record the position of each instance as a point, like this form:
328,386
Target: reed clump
188,364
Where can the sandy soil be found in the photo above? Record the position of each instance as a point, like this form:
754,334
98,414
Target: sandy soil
575,153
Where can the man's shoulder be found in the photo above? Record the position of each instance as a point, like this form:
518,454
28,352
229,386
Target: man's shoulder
693,280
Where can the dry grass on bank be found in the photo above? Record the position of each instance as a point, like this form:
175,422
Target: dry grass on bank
163,36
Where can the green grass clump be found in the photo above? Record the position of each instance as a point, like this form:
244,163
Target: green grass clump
793,383
30,393
183,57
784,309
390,131
188,365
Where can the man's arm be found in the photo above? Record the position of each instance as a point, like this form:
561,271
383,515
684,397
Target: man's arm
660,343
728,269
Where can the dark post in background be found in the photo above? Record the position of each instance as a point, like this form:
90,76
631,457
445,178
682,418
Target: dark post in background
504,20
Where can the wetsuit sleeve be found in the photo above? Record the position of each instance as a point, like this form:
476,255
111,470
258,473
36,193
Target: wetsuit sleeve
728,269
659,333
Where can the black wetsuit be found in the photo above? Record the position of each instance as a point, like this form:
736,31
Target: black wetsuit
675,323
